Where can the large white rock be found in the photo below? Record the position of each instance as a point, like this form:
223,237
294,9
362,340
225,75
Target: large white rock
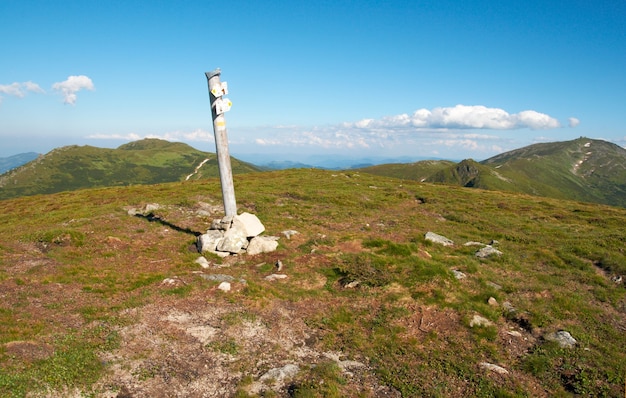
249,223
262,244
562,338
208,242
234,241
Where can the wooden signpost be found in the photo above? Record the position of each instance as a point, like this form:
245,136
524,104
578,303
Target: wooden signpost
219,105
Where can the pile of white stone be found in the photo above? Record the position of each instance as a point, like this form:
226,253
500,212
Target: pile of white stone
236,235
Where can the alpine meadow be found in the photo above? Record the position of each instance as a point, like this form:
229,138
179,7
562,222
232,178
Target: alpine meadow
103,293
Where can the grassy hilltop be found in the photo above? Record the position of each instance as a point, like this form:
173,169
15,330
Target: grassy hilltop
98,302
148,161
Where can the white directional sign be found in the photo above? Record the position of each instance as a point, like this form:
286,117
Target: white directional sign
222,105
220,89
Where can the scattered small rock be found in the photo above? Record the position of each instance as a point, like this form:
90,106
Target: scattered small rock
218,277
514,333
352,285
203,262
435,238
494,285
275,377
492,302
478,320
458,274
224,286
473,244
509,307
344,365
562,338
488,251
151,207
289,233
280,374
494,368
275,277
172,282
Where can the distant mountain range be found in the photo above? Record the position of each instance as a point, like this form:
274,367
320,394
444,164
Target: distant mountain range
582,169
14,161
321,161
148,161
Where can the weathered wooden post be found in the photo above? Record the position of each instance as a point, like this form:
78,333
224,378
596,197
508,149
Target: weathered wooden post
219,105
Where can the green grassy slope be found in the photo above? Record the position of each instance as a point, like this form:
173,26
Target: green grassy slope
78,282
148,161
583,169
417,171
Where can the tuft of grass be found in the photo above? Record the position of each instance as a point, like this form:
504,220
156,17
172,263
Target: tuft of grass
58,237
228,346
74,364
324,379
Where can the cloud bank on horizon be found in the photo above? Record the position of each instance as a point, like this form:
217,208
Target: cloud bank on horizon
67,88
461,126
463,117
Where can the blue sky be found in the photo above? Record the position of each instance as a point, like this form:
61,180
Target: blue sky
447,79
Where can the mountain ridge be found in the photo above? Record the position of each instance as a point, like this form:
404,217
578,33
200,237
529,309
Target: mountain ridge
583,169
11,162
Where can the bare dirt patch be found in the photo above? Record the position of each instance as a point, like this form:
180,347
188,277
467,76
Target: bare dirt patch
204,347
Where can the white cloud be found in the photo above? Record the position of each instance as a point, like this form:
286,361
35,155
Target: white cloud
33,87
461,132
327,138
125,137
196,135
14,89
20,89
462,117
573,122
71,86
536,120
